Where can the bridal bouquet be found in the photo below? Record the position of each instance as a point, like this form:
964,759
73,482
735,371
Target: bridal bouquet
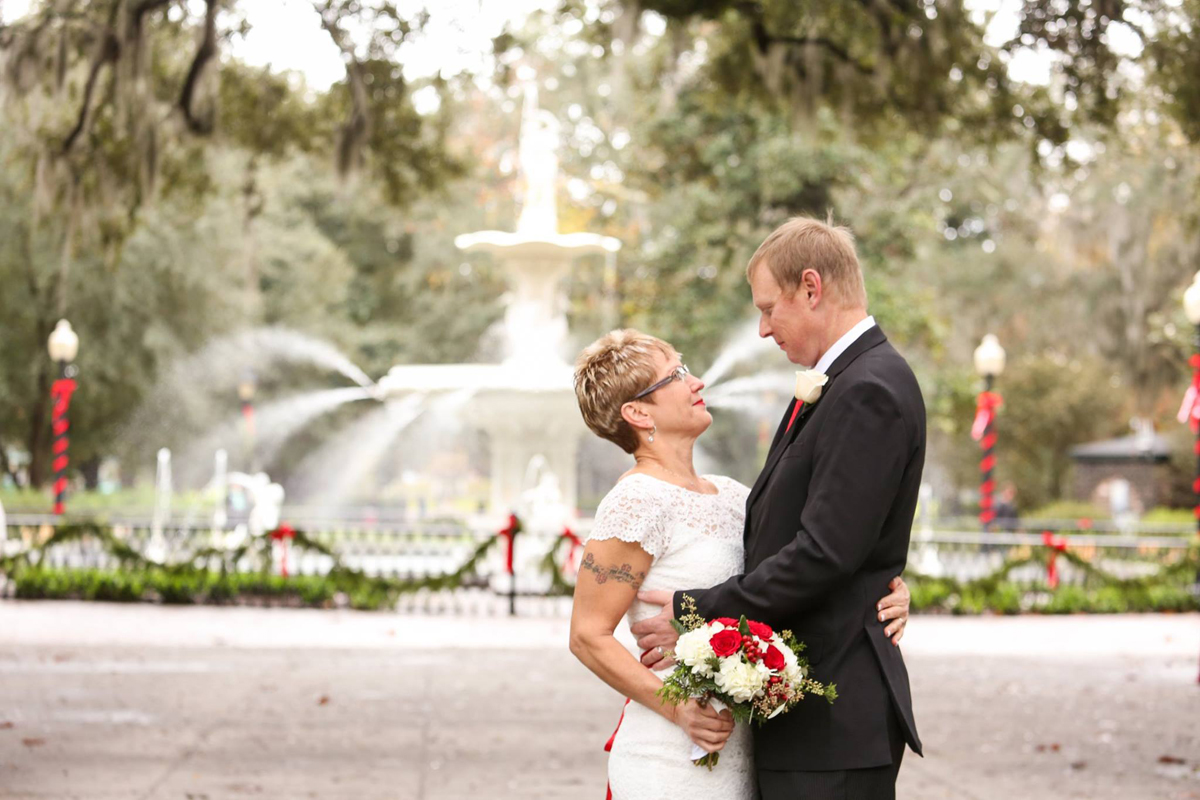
738,664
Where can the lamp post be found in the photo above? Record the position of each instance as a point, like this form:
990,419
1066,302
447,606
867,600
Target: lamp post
246,389
989,362
1190,412
63,346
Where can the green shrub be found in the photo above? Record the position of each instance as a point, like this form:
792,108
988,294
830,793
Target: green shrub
1067,600
1068,509
1169,516
1006,599
1110,600
928,594
1170,598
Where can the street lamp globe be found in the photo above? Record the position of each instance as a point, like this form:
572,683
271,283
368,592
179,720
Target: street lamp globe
1191,301
64,343
246,388
989,357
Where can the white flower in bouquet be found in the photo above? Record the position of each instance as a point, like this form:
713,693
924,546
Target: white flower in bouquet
738,679
694,650
792,671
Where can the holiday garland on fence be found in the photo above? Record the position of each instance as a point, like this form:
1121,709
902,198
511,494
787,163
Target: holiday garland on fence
194,580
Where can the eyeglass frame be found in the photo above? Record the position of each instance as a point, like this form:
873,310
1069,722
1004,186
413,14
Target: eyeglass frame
679,373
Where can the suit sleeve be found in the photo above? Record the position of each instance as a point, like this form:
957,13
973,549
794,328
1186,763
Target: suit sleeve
861,452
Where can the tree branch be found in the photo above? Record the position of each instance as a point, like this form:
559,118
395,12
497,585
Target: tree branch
763,39
204,53
828,44
357,127
107,51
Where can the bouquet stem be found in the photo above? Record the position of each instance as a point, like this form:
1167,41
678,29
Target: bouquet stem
709,760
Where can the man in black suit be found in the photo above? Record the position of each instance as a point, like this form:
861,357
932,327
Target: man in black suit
827,523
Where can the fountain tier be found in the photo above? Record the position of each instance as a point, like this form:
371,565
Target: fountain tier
526,405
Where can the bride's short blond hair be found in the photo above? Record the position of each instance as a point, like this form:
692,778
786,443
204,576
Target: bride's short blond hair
608,373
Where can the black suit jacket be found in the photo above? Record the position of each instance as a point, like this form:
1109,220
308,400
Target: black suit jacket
827,527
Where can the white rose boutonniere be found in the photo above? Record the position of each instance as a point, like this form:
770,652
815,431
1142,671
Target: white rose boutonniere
809,384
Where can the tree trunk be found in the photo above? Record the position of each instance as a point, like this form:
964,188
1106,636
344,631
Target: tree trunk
39,427
91,473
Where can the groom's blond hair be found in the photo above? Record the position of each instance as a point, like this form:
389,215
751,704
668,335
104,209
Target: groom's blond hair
805,243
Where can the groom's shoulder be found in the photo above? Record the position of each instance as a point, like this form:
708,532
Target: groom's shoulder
884,368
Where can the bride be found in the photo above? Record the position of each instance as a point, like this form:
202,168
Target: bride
661,527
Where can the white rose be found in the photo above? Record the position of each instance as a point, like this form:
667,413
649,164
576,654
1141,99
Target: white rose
792,672
693,650
809,384
739,680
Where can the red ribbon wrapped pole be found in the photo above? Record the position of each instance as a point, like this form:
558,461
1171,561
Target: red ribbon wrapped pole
982,432
283,534
1189,410
61,391
1056,545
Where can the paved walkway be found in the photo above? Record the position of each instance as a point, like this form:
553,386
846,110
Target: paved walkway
109,701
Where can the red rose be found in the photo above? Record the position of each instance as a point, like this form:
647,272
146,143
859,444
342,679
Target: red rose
728,622
762,631
774,659
726,643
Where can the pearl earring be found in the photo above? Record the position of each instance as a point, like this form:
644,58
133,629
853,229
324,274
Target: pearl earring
653,432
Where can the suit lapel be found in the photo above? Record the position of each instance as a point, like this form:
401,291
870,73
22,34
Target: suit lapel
872,337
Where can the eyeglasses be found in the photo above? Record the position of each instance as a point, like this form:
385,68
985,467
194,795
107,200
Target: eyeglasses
677,374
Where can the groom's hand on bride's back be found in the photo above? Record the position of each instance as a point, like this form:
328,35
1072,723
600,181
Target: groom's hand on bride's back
655,635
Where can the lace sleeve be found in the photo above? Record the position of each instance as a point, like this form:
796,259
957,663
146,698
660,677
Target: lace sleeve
633,512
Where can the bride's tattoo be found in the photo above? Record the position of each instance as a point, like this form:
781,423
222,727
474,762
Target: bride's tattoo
622,574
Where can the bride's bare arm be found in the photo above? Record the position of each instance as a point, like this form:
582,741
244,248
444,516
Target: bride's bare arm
609,578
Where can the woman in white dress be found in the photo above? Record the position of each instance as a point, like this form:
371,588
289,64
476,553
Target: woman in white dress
661,527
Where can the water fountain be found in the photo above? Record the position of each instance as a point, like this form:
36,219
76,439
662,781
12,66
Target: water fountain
526,404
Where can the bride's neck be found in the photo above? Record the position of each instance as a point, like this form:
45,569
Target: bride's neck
675,458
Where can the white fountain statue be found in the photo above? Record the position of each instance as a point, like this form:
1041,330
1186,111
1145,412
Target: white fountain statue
525,404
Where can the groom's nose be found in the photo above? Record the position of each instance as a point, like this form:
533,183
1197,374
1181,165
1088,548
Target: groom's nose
764,326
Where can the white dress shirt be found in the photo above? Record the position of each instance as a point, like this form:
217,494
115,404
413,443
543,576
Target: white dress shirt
839,347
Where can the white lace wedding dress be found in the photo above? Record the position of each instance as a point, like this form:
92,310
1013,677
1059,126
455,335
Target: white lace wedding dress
696,541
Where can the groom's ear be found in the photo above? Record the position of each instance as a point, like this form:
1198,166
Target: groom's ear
811,287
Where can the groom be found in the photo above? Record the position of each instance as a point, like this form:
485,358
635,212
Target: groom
827,523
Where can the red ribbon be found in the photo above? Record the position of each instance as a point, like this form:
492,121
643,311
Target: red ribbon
575,545
795,411
609,744
985,413
283,534
1056,546
61,391
510,534
1189,410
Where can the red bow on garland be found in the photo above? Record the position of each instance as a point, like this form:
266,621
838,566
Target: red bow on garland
575,545
1056,545
284,533
510,534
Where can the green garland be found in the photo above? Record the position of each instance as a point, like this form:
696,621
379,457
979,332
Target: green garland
1166,590
559,586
